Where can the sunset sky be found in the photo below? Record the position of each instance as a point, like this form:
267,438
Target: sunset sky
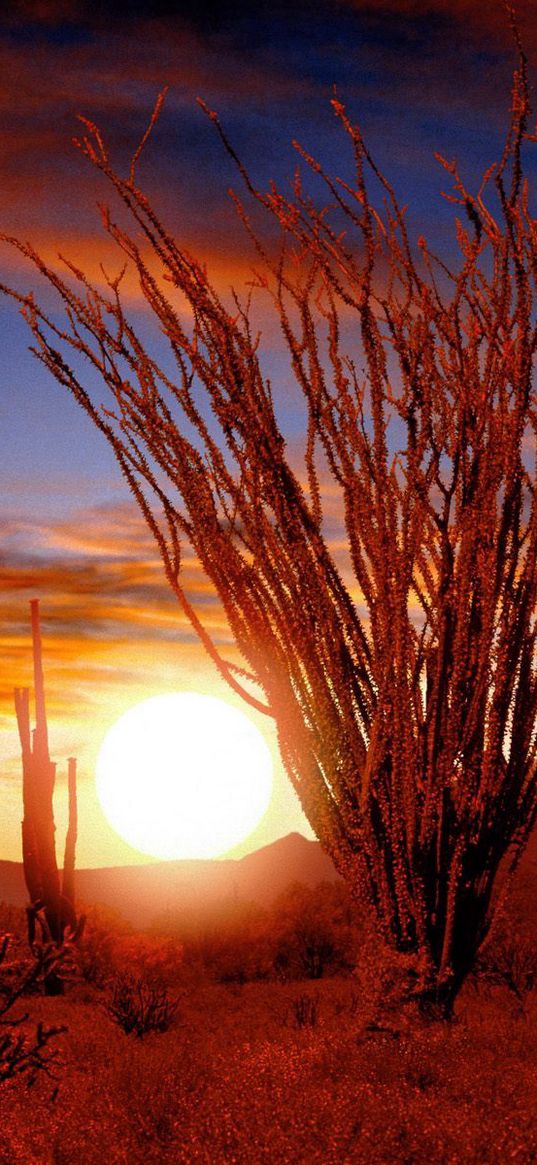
419,76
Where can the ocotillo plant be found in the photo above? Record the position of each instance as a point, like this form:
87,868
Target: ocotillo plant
406,705
52,908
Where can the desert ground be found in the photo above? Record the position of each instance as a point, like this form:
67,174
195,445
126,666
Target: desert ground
288,1038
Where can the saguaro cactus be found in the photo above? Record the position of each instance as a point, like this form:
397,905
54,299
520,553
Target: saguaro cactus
52,907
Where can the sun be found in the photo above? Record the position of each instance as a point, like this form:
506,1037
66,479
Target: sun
184,775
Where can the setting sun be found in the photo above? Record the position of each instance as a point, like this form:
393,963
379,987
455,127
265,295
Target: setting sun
184,776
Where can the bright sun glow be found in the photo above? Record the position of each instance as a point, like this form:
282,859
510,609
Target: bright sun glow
184,776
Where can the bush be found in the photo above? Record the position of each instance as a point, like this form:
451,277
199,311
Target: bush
109,945
139,1006
157,958
316,932
309,933
510,961
23,1052
98,949
305,1010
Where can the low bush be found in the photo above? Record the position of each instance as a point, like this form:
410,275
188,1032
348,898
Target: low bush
305,1010
309,933
109,945
510,961
139,1006
25,1052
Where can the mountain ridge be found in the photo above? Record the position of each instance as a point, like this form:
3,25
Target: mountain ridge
201,889
142,893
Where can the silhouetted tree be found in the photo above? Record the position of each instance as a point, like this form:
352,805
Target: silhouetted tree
408,734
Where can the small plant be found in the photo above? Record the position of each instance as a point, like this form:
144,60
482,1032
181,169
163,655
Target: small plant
511,963
348,1004
140,1006
23,1054
305,1010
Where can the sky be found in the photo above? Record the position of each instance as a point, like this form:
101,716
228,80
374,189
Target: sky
418,76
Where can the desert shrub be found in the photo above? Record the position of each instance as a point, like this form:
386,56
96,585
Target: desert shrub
139,1006
157,958
110,945
316,932
24,1052
305,1010
99,949
305,951
510,961
235,957
235,949
308,933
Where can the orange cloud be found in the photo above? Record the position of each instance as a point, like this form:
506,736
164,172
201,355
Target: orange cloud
102,587
230,265
113,635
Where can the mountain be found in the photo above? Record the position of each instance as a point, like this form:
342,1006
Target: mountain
190,888
201,890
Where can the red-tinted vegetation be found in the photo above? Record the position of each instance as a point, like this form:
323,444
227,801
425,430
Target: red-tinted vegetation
52,921
251,1067
23,1053
408,734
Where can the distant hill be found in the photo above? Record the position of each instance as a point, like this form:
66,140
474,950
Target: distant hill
144,893
200,889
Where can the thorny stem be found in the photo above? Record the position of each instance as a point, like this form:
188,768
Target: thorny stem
408,734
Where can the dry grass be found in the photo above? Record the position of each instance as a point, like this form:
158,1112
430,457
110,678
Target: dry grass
236,1081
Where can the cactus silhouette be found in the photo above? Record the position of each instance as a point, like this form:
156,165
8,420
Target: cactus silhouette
52,922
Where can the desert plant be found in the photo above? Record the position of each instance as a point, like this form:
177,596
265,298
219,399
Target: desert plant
408,735
27,1055
139,1006
310,946
348,1004
231,957
315,932
305,1010
109,944
96,955
509,961
23,1053
52,921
